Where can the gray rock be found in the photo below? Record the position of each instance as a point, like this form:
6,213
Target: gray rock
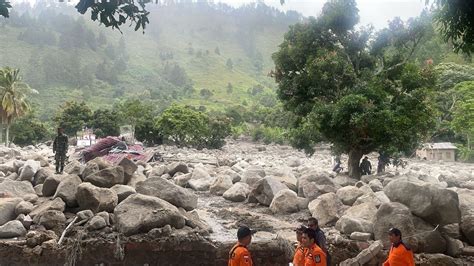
286,176
348,195
221,184
361,236
178,167
20,189
158,171
164,189
39,190
73,168
123,191
433,204
293,162
67,190
313,177
84,215
466,205
202,184
233,174
135,179
41,175
51,184
238,192
29,170
25,220
140,213
285,201
358,218
90,197
454,247
253,174
390,215
376,185
96,223
182,180
7,209
51,219
451,230
312,190
265,190
24,207
35,238
129,168
438,260
12,229
344,180
326,208
369,197
107,177
54,204
105,216
428,240
200,172
89,169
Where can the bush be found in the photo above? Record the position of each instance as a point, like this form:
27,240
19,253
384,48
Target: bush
29,131
269,135
184,126
465,154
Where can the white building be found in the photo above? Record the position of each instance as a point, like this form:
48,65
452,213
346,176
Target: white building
444,151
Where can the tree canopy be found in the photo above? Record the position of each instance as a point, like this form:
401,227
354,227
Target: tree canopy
361,95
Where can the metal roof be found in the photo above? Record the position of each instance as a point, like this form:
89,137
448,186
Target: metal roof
440,146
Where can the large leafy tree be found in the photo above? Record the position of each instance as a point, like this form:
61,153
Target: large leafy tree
13,96
73,116
134,112
105,123
360,90
463,114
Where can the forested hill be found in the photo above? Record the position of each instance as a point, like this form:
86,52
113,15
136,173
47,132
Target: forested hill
195,53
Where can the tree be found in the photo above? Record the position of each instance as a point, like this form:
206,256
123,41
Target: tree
230,88
105,123
13,93
73,116
205,93
229,64
456,23
360,95
28,130
463,115
134,112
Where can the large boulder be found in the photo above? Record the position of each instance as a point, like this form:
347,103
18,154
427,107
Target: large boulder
312,190
12,229
129,168
369,197
393,214
51,184
182,180
51,219
466,205
221,184
73,168
96,199
238,192
285,201
286,176
24,207
135,179
41,175
253,174
89,169
428,239
67,189
21,189
358,218
141,213
107,177
201,184
265,190
123,191
177,167
29,170
7,209
348,195
164,189
327,208
435,205
319,178
54,204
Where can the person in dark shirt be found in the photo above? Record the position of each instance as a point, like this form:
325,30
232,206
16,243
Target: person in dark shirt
320,237
60,147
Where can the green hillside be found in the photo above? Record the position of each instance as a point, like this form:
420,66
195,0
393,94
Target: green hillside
186,48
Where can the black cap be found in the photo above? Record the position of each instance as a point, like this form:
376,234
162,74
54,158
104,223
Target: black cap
243,232
395,231
300,229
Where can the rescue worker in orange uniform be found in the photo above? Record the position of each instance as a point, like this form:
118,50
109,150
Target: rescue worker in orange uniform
400,254
315,256
300,253
239,255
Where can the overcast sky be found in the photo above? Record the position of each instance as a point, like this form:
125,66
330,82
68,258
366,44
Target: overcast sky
376,12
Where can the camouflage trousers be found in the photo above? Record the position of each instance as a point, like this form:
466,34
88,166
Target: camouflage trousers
60,158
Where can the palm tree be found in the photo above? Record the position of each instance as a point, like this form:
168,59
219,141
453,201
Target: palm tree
13,103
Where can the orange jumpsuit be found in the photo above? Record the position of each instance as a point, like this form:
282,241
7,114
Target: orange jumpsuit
400,255
239,256
300,253
315,256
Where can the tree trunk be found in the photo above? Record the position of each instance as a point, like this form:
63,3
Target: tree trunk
353,163
7,143
1,133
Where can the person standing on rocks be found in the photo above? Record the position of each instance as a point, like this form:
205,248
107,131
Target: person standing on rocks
315,256
60,147
239,255
300,253
400,254
320,237
366,166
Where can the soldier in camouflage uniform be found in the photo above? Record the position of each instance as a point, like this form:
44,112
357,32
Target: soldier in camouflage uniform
60,147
